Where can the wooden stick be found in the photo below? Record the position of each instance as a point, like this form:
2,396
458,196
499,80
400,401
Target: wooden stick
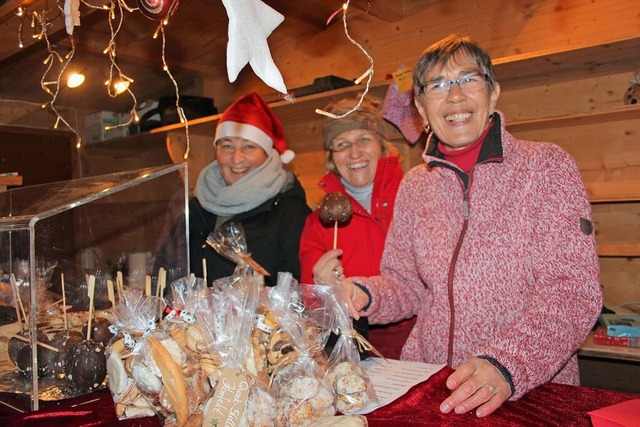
110,293
147,285
48,306
92,288
41,344
162,281
204,270
120,285
12,407
64,302
84,403
12,278
335,235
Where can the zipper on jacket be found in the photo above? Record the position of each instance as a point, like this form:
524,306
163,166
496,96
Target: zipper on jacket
465,204
452,267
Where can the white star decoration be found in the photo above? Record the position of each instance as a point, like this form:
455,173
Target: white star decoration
250,23
71,15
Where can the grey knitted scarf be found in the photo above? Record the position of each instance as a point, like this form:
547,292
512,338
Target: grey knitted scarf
260,185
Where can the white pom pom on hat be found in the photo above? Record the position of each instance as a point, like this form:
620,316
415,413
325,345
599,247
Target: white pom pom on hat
251,118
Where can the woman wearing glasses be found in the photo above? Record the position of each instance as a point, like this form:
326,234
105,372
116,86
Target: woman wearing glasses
361,163
491,245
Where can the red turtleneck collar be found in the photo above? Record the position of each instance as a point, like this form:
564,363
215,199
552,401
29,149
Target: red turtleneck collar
466,158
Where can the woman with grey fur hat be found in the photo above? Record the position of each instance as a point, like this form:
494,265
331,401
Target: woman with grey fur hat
360,162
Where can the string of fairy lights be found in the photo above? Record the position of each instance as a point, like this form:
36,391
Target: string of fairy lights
368,74
42,22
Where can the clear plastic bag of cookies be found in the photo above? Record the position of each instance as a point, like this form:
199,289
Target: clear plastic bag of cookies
350,383
134,317
229,310
151,369
285,301
297,377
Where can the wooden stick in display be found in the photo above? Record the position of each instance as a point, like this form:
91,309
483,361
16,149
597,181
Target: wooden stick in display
14,292
41,344
64,302
204,270
335,234
162,281
119,285
147,285
48,306
12,278
12,407
110,293
92,288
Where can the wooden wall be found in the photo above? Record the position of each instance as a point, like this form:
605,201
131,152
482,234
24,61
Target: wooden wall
606,148
573,99
503,27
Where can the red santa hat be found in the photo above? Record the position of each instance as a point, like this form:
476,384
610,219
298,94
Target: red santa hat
251,118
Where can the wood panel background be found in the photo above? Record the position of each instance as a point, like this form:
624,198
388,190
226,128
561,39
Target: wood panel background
572,99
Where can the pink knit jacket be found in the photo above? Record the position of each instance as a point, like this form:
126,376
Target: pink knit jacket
506,269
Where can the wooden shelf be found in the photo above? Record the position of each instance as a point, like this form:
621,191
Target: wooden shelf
615,114
625,250
515,70
614,191
565,65
589,348
309,103
7,180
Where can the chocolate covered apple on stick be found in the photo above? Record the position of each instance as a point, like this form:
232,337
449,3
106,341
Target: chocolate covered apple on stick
335,210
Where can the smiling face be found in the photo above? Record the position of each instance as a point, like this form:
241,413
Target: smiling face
458,118
357,162
237,157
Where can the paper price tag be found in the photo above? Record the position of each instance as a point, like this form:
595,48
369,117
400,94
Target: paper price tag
403,79
226,406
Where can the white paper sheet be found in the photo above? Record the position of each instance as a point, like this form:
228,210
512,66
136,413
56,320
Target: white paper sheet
393,378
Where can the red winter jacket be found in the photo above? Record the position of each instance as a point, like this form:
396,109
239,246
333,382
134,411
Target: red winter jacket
362,239
505,267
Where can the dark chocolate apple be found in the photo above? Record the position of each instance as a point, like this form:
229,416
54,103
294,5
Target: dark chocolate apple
46,360
64,341
86,366
99,330
336,207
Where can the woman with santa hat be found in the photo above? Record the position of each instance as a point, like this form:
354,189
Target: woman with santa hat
247,184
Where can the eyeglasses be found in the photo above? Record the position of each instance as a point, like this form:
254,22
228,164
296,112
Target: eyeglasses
343,144
467,84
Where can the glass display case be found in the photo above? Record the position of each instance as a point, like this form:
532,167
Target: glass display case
59,241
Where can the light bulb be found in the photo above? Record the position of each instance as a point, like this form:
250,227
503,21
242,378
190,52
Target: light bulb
121,86
75,80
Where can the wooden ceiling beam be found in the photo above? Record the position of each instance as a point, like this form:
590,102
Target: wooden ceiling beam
387,10
312,12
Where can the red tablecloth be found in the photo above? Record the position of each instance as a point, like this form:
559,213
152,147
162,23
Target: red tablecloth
548,405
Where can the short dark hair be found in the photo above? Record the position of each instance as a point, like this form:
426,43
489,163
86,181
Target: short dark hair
442,51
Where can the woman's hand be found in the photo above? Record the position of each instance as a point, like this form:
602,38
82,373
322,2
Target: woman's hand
328,270
356,297
476,384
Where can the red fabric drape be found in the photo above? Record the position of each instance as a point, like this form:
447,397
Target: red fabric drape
548,405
